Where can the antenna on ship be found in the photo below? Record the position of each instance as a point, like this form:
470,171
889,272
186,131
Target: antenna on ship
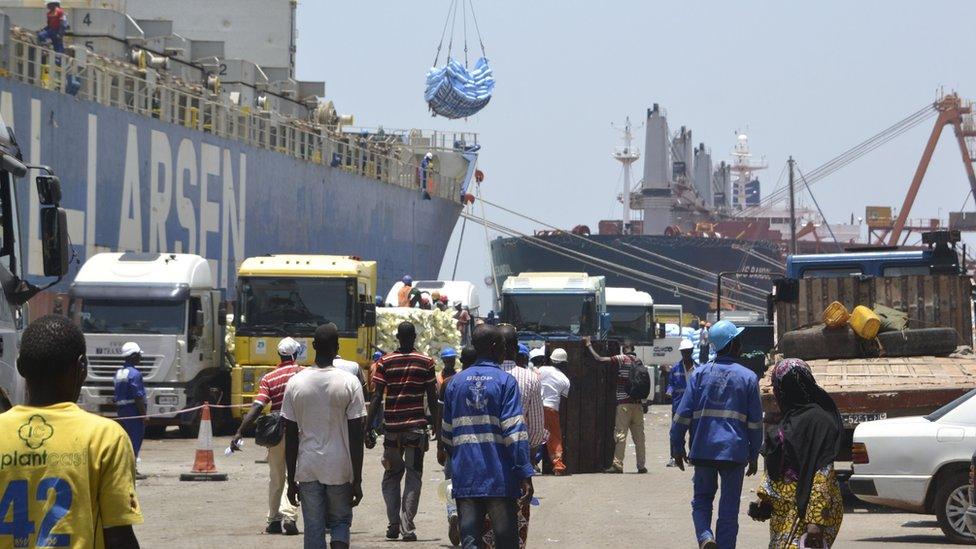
626,155
743,168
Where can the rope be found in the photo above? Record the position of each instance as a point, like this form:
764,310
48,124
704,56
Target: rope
850,155
440,44
817,204
474,18
759,291
692,292
450,45
457,257
464,23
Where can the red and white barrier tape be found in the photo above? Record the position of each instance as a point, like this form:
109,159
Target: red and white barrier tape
183,411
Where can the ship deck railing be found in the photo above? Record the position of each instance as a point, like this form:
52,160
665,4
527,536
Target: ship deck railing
392,157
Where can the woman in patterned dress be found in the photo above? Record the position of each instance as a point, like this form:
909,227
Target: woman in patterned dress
799,453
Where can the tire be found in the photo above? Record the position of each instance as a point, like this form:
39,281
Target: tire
950,502
155,431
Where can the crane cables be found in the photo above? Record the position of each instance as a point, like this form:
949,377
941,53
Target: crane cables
688,269
847,157
692,292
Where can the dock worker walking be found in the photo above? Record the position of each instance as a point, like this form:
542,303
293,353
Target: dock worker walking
722,413
678,377
57,24
271,391
555,387
130,396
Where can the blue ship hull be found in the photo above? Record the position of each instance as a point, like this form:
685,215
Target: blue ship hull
132,183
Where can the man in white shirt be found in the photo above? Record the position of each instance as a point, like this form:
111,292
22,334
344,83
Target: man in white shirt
555,386
323,412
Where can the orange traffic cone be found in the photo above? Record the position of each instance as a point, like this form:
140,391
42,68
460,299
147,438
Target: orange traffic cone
203,462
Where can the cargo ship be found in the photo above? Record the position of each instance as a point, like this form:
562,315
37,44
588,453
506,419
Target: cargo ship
695,220
179,127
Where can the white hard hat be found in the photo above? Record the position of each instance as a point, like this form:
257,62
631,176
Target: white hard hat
686,345
131,348
537,352
559,356
288,347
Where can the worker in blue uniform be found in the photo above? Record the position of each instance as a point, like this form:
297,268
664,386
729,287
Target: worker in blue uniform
722,414
130,395
678,378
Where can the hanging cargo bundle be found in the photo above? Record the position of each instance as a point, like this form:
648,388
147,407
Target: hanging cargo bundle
455,90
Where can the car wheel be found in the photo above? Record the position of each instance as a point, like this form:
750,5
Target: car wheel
951,502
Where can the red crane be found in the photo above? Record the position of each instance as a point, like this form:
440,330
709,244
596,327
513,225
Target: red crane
952,110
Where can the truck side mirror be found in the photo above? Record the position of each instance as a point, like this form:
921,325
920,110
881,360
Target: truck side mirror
199,318
222,313
369,315
48,190
54,241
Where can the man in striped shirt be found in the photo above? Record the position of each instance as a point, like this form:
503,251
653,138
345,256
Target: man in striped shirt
402,382
530,391
271,390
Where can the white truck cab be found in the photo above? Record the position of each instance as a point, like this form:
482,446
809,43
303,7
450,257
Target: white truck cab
457,291
167,304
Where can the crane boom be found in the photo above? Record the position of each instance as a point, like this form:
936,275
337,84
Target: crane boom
951,111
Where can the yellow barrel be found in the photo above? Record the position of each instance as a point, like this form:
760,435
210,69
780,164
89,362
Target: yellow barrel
836,315
865,322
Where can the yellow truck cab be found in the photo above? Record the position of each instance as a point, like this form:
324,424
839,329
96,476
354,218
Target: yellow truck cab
282,296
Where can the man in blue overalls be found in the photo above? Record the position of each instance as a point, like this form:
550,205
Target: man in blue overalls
57,24
723,414
130,396
678,378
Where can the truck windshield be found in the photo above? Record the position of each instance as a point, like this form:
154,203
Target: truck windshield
551,313
296,306
630,323
96,316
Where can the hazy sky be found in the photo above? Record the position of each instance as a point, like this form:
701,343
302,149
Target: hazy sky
809,79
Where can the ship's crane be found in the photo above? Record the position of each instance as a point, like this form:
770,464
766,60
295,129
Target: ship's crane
952,110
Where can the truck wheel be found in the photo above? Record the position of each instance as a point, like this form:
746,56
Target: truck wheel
190,423
950,508
155,431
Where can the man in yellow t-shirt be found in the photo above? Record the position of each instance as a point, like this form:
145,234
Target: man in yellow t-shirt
67,477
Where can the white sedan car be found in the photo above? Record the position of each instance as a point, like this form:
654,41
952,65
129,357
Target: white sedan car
920,464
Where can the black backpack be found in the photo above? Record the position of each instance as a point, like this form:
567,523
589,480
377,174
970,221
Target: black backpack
638,380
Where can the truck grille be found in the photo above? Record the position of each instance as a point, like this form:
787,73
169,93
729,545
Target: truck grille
105,366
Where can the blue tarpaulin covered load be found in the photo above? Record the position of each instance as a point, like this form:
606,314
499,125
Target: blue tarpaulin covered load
455,92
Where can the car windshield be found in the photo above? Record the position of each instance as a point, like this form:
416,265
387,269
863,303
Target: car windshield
137,316
295,306
551,313
943,411
630,323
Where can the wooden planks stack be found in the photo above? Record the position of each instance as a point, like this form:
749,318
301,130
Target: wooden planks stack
929,300
587,416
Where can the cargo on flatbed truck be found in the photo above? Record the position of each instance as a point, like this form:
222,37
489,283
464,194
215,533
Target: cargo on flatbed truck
168,304
282,296
935,293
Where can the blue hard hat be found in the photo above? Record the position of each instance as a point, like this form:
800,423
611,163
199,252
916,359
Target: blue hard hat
448,352
523,349
407,280
722,333
377,355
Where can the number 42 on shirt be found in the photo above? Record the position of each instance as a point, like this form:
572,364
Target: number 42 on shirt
15,504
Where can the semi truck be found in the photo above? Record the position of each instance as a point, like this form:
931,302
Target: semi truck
54,249
282,296
167,303
929,286
556,306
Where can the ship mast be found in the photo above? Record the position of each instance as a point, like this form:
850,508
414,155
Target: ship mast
743,168
626,155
